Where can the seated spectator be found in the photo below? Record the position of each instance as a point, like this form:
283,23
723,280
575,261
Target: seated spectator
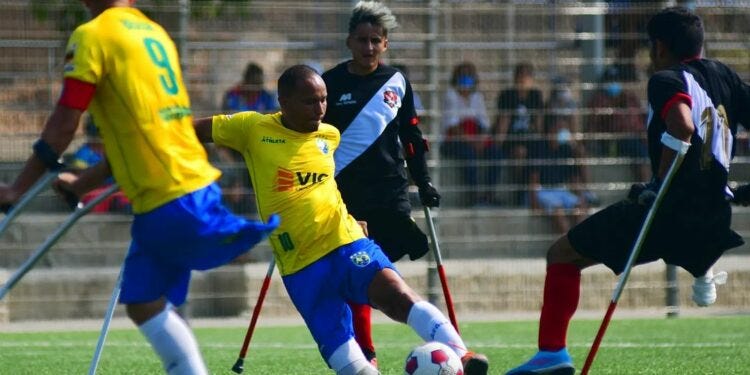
465,124
89,154
616,110
556,181
519,119
249,95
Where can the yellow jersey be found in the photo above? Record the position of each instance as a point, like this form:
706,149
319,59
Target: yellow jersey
140,106
292,175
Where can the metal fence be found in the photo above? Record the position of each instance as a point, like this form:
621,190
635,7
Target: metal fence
588,60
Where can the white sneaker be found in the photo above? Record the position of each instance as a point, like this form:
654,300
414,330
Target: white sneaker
704,287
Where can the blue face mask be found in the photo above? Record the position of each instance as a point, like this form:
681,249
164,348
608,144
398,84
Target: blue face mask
613,88
564,136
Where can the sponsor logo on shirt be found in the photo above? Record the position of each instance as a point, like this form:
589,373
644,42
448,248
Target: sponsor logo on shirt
267,139
286,180
346,99
69,54
390,98
360,259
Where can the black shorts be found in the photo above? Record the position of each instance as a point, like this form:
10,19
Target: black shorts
684,235
396,233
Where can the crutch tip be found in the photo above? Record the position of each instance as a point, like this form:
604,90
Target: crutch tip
239,366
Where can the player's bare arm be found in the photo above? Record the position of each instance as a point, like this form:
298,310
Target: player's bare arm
203,128
57,134
679,125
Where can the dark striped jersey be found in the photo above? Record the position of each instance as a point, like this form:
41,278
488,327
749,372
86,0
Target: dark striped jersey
719,101
379,131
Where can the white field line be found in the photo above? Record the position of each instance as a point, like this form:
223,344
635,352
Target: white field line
282,345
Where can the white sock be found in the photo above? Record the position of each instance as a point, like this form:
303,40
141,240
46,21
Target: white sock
431,325
174,343
348,359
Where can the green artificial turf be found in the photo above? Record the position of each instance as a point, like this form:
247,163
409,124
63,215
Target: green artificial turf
715,345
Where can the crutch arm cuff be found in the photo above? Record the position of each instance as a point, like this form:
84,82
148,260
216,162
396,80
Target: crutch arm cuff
678,145
47,155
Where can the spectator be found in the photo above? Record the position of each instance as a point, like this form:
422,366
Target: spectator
465,124
555,181
249,95
616,109
89,154
519,115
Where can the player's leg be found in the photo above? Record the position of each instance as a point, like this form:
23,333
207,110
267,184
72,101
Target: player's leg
372,277
145,282
316,293
390,294
605,237
560,301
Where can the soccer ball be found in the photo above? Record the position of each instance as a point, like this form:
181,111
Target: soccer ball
433,358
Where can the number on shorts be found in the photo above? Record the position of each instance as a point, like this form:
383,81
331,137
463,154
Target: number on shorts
159,57
286,241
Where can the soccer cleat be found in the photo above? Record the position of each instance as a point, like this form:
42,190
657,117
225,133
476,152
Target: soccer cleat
545,362
704,287
475,364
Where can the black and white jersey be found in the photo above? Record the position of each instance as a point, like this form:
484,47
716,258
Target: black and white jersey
719,101
379,129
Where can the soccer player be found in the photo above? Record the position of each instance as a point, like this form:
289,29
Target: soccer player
373,108
322,253
124,69
695,103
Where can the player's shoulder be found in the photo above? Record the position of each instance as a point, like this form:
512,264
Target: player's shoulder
326,128
336,71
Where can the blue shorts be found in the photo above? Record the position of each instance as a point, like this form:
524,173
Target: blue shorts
193,232
552,199
320,291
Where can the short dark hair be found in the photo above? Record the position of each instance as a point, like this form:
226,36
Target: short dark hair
523,68
292,76
679,29
253,74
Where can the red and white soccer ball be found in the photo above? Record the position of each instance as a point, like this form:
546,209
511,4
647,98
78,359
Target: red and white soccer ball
433,358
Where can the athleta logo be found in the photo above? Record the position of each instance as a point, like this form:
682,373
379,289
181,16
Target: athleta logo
267,139
285,179
346,99
390,98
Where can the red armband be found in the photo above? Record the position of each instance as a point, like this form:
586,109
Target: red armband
410,150
76,94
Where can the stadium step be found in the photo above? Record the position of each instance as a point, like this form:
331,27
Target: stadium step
478,287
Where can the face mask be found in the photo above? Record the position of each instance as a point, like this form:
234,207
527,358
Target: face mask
564,136
613,89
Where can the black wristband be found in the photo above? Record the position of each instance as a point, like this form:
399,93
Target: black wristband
47,155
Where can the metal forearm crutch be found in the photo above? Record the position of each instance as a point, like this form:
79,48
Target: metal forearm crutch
239,365
105,325
631,260
16,209
441,271
53,238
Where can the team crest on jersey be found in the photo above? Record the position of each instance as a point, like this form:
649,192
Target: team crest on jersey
322,145
360,258
390,98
